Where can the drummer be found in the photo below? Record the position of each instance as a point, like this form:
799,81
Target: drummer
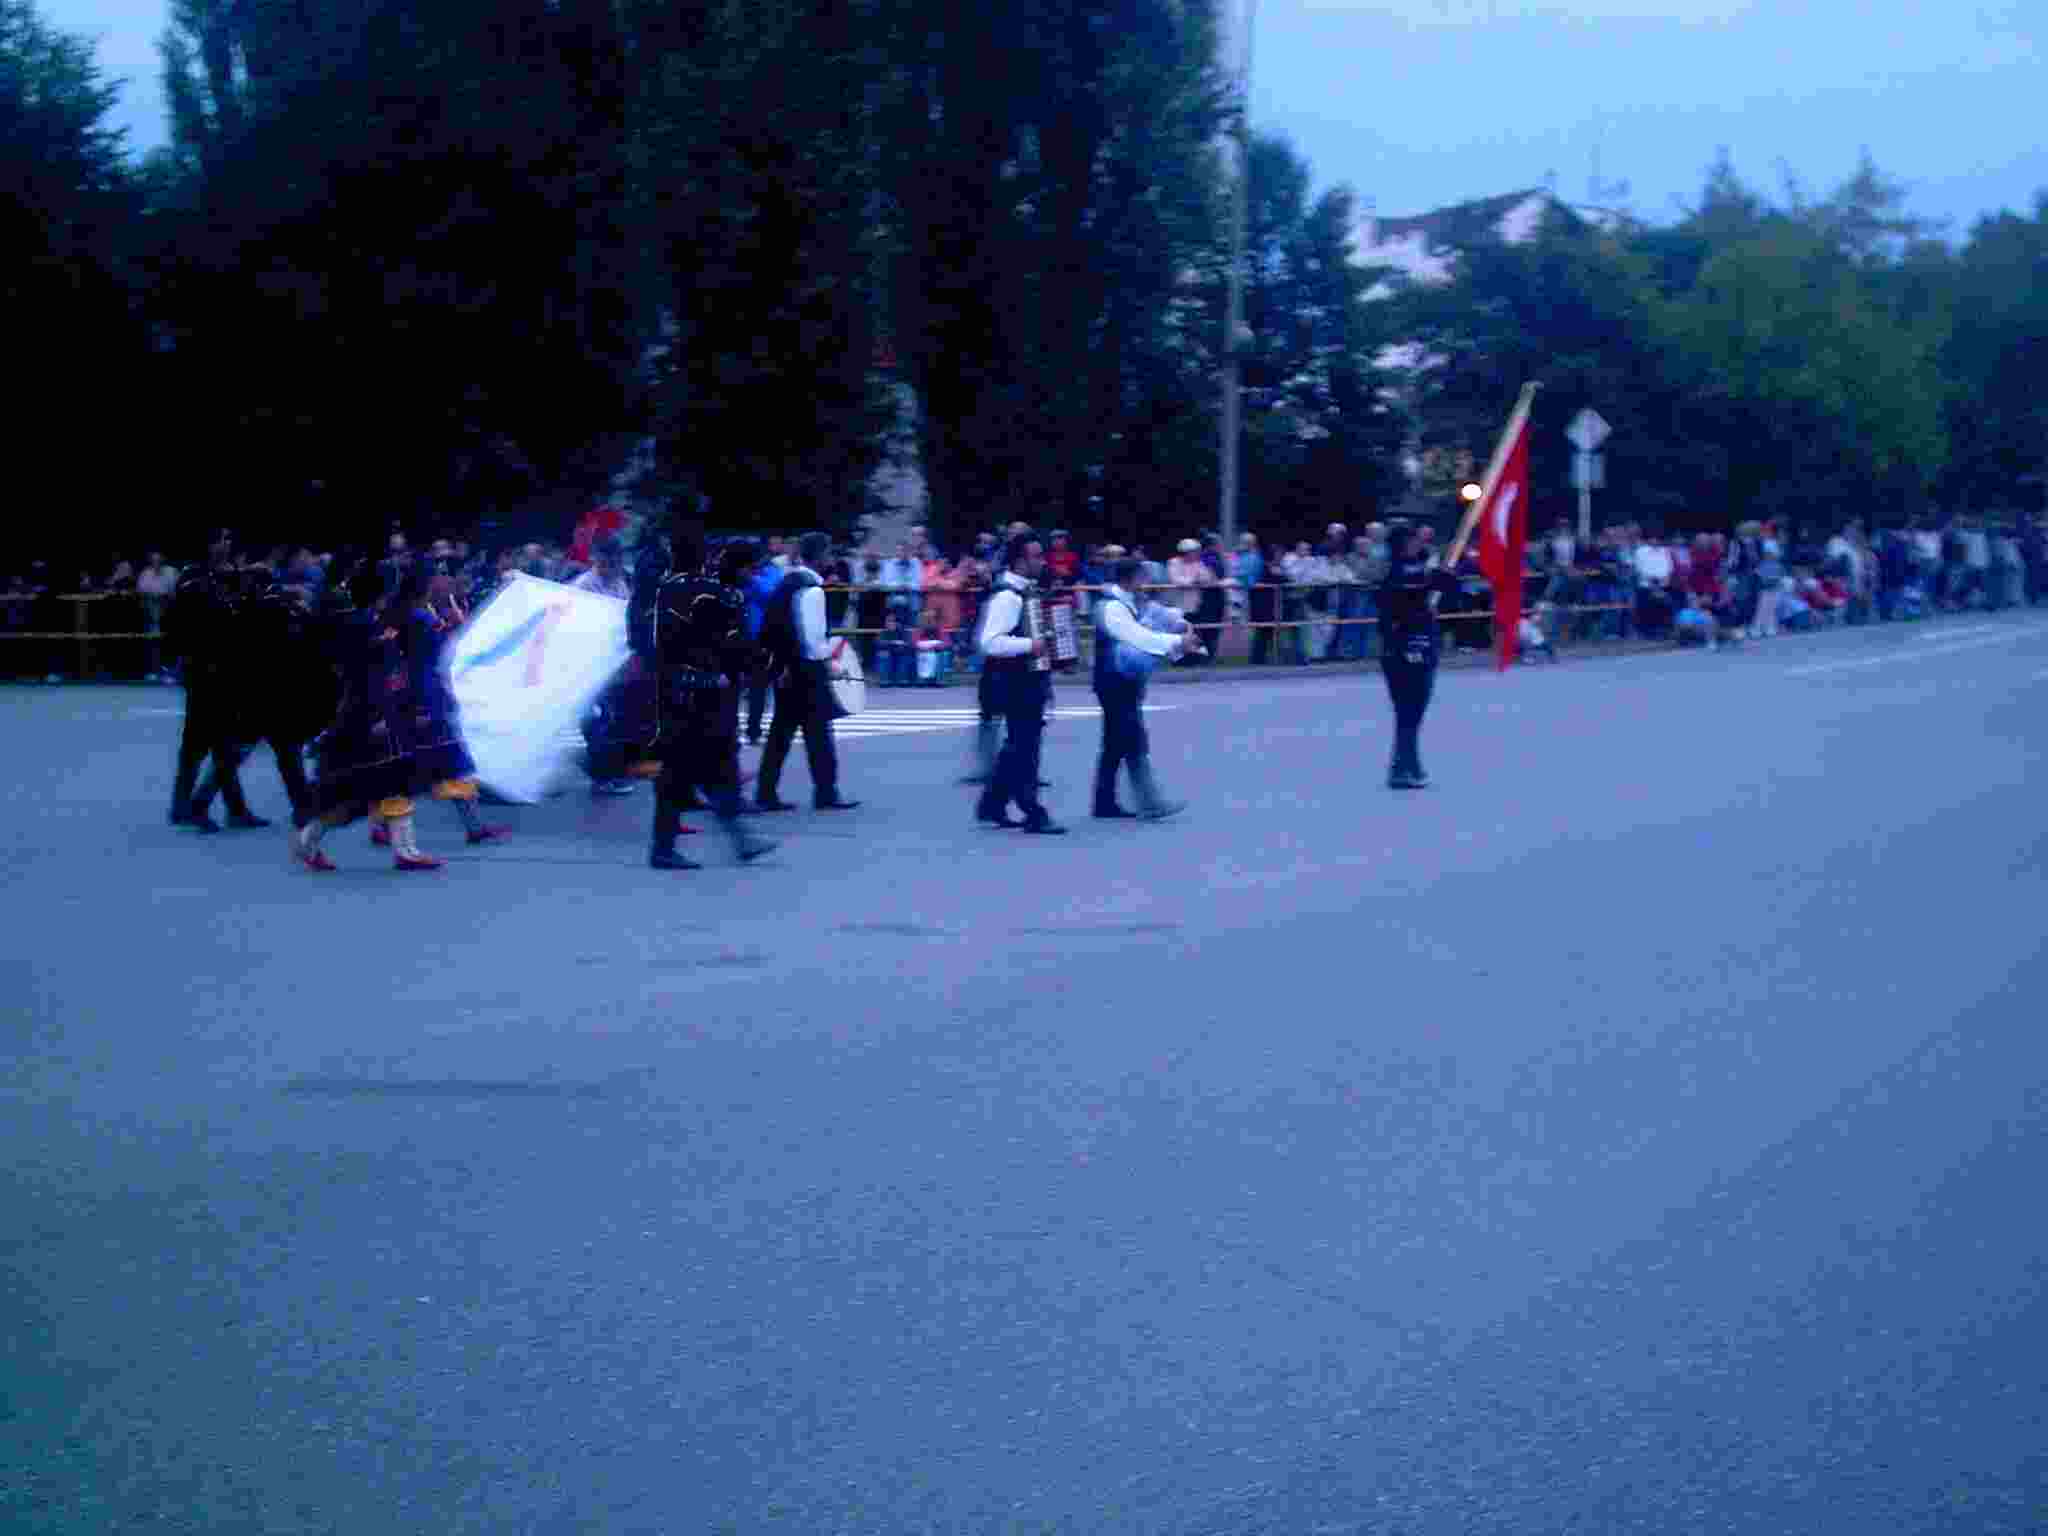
794,627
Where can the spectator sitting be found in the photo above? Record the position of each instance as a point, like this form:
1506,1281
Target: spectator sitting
898,650
934,649
1793,611
1695,623
1533,634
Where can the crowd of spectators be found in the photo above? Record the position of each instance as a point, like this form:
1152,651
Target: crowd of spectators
911,608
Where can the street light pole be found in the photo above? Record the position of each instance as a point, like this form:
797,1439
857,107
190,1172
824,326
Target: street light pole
1233,322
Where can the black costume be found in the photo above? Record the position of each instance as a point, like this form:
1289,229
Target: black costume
803,701
691,637
284,692
200,628
1020,684
1409,627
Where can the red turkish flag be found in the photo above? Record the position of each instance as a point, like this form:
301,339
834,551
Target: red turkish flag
1503,538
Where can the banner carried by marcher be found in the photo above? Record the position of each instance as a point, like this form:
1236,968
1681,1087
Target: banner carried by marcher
525,670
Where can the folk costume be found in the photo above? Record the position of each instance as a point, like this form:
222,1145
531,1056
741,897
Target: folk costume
393,737
693,633
1126,651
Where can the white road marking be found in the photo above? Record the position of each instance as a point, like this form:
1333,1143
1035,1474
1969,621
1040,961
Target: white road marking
1939,635
1890,657
915,722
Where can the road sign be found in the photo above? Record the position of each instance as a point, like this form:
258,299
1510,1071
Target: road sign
1588,430
1589,471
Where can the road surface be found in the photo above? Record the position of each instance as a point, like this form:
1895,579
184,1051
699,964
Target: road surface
1640,1131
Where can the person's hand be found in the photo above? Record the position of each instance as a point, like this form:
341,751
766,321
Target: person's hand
1038,647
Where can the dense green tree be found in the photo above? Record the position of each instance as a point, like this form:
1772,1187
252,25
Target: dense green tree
1997,357
67,209
1051,191
756,196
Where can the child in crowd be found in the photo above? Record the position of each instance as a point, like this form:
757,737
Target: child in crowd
1533,634
934,649
1695,624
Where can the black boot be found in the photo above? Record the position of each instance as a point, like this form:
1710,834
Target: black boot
1152,806
1106,808
668,822
747,845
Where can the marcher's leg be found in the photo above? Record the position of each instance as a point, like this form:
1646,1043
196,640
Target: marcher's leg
820,751
291,767
668,820
397,814
781,732
720,785
1116,748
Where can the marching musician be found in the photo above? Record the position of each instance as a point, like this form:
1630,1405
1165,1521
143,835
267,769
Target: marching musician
794,629
1016,647
1408,596
1127,647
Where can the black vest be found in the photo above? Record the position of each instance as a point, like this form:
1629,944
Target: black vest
1107,678
1013,665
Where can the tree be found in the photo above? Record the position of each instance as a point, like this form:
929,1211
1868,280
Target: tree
1996,356
756,169
1322,438
390,250
1050,185
67,268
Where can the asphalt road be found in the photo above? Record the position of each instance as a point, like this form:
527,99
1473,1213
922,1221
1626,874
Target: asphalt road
1640,1131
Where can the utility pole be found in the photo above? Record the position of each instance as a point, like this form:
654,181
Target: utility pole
1233,322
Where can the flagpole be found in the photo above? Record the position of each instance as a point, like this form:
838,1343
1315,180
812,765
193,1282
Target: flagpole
1494,467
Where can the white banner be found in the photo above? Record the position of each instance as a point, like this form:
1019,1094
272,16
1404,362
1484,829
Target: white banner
524,671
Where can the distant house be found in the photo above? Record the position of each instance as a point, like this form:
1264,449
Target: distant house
1422,249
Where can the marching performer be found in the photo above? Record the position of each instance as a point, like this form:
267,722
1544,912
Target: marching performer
1408,596
200,628
794,629
1016,647
694,632
601,734
286,694
1126,649
427,613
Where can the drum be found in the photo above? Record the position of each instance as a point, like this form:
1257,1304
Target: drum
849,683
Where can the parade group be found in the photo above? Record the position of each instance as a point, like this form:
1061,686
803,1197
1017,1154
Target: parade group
353,685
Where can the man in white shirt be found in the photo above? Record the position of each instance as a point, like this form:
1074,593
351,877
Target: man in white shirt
1018,665
605,757
1125,651
803,689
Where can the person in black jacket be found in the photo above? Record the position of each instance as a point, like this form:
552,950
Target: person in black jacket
285,694
1408,595
200,631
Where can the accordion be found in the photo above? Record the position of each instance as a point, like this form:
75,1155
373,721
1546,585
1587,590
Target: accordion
1054,624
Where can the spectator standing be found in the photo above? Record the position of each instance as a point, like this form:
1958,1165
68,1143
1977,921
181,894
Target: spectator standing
154,584
1187,576
1255,598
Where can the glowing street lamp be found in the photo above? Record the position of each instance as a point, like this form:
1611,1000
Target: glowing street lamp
1470,491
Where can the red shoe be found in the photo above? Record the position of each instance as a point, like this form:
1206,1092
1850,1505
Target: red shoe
408,862
684,829
380,836
489,835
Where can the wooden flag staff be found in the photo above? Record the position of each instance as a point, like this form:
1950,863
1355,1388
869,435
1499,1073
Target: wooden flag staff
1498,463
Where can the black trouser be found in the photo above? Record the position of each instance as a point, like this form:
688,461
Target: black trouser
1022,694
803,700
709,763
757,704
206,733
291,767
1123,737
1409,684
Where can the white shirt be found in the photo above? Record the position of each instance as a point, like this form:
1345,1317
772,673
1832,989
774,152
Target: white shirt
1653,565
810,618
1005,606
1119,617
